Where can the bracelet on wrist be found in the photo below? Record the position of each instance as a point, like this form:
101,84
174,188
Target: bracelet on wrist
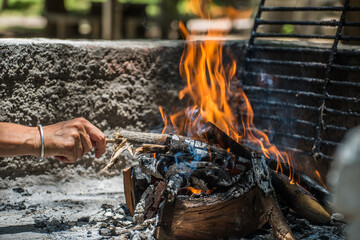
40,127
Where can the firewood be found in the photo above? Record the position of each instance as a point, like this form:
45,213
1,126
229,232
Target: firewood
189,147
215,135
152,148
140,137
153,206
129,189
212,216
304,205
280,227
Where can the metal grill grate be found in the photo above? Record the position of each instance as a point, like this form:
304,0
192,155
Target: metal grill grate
308,94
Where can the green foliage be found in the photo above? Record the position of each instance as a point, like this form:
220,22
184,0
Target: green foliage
287,29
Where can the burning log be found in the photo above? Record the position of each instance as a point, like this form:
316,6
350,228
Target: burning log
213,134
304,204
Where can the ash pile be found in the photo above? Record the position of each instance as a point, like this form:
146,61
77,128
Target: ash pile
211,187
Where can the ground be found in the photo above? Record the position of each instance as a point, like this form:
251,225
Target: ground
92,207
40,207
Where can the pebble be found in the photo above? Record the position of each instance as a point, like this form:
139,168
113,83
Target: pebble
337,217
109,214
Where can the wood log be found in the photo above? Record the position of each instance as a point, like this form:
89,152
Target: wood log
304,205
129,189
281,229
212,216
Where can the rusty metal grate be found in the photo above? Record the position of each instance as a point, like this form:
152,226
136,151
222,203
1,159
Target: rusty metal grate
306,95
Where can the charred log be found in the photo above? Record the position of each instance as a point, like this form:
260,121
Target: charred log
212,216
304,204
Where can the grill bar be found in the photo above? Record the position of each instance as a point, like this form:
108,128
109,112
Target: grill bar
287,91
262,48
284,104
345,67
291,9
307,23
352,23
279,62
287,49
301,93
303,79
344,113
285,120
348,84
350,38
287,78
294,35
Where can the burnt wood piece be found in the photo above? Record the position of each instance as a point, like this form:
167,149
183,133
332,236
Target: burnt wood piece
142,182
212,216
202,175
217,136
155,201
304,205
280,227
129,189
213,134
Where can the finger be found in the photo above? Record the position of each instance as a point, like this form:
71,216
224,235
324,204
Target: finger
86,143
97,137
78,151
84,139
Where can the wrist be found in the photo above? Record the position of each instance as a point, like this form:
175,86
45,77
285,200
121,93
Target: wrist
34,142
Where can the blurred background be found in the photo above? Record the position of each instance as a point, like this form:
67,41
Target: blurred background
151,19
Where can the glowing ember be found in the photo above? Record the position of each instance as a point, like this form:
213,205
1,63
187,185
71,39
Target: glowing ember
208,88
199,191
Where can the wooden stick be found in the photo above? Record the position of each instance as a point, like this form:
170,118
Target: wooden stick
140,137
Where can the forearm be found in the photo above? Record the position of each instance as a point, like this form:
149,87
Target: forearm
18,140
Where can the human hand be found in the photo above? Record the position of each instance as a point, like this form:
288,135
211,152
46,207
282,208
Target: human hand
69,140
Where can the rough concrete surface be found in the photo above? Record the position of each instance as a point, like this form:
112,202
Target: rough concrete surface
112,84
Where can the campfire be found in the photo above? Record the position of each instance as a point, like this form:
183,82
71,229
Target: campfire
208,175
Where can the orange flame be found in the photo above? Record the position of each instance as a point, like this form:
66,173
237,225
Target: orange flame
208,87
317,174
